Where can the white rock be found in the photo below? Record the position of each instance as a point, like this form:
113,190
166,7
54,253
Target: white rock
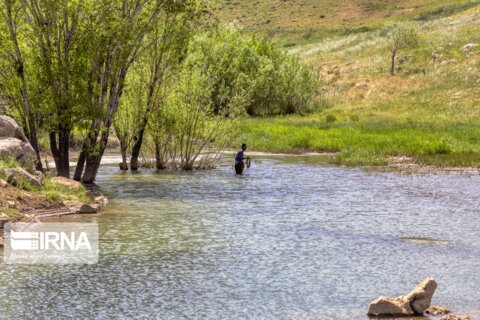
416,302
384,306
65,182
10,129
469,47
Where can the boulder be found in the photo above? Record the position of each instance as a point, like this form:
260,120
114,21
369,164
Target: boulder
18,150
78,207
65,182
101,200
16,175
390,306
416,302
469,47
421,297
10,129
3,183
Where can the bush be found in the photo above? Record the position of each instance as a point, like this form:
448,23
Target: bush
330,118
270,81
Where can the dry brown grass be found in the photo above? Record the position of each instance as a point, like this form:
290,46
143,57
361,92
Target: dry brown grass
313,15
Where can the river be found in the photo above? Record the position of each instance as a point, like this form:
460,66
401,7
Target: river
291,239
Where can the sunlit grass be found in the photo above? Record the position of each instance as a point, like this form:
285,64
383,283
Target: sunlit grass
367,143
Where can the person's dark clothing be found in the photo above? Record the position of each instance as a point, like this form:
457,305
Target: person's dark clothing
239,168
239,165
239,157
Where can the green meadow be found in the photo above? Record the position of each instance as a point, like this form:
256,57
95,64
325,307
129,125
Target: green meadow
428,110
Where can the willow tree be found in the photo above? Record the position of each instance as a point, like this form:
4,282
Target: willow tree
169,39
52,67
120,37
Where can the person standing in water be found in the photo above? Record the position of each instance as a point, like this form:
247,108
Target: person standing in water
239,160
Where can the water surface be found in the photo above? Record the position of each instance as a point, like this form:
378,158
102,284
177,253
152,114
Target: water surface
292,239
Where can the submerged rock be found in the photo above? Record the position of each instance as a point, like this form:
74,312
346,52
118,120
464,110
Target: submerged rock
79,207
455,318
416,302
101,200
436,310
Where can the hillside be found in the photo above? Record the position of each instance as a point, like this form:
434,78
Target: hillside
430,108
306,20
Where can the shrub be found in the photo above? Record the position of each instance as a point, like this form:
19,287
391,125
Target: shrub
330,118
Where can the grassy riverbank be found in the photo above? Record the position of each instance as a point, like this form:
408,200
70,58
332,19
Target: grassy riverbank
429,110
366,143
26,198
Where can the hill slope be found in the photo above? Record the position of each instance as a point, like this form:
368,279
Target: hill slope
304,20
429,110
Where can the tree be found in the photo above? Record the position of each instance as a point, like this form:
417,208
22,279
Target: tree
120,38
170,39
401,35
13,74
275,82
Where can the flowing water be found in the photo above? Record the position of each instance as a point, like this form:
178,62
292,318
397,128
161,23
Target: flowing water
292,239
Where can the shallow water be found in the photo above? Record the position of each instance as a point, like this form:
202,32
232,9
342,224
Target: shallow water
292,239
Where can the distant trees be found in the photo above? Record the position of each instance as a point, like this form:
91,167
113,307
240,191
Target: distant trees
152,70
271,81
401,35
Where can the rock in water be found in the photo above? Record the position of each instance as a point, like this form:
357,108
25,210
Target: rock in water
416,302
455,318
421,297
79,207
436,310
390,306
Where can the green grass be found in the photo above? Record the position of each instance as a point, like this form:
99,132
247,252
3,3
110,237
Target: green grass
430,109
8,163
366,143
54,192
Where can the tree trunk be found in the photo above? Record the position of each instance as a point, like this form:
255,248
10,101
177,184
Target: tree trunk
392,68
20,71
80,165
159,164
93,160
32,138
61,152
123,150
136,150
